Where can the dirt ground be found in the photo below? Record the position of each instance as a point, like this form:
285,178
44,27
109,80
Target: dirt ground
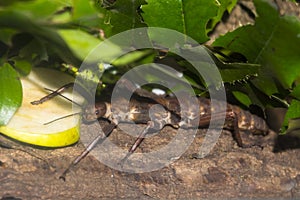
228,172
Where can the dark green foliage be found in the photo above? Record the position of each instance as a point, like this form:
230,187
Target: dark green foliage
259,63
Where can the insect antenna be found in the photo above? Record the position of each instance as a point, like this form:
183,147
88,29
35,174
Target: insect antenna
70,115
53,94
63,96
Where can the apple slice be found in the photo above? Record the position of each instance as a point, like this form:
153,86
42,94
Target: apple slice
28,123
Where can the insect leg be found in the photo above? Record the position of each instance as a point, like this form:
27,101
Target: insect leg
236,129
137,142
99,139
53,94
64,97
158,121
229,116
140,138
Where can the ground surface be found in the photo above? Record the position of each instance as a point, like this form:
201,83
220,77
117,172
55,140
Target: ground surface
228,172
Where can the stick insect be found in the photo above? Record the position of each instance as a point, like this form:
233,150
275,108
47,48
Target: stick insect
236,118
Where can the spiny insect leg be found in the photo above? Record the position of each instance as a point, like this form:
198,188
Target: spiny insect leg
99,139
151,127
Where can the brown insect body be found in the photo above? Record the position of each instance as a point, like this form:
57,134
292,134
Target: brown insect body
248,121
139,112
157,112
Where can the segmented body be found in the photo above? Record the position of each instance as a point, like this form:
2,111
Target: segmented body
167,112
249,122
195,114
156,112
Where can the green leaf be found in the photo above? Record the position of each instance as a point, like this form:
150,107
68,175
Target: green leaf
235,71
10,2
291,123
256,96
238,72
39,9
242,97
189,17
294,127
131,57
83,8
293,112
224,5
10,93
22,66
296,92
34,50
86,15
264,43
124,16
80,42
6,35
18,21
